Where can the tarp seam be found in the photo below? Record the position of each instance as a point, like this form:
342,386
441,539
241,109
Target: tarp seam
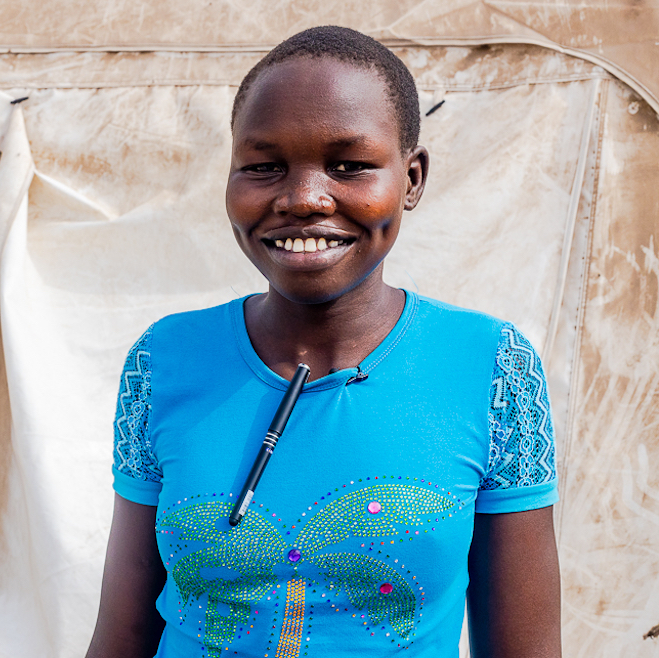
600,60
573,209
23,84
575,378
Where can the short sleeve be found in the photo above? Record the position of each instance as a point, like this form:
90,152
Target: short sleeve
521,472
137,476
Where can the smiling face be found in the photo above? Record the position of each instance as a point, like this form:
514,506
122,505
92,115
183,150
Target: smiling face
318,183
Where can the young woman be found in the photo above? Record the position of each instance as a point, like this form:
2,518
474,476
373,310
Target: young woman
417,467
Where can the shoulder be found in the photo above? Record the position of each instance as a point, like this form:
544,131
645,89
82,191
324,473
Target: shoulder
194,347
198,319
196,329
449,327
435,310
470,325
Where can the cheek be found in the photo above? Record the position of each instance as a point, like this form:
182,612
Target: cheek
382,203
243,207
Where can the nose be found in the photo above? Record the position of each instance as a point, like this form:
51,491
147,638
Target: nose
304,196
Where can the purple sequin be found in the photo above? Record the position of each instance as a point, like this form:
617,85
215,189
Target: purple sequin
294,555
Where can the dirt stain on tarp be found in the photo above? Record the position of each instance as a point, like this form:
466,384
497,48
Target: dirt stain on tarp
652,633
610,532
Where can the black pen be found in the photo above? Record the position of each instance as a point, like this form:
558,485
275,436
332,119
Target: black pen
270,442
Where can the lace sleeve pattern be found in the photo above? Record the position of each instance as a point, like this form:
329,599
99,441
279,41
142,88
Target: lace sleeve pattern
521,431
133,455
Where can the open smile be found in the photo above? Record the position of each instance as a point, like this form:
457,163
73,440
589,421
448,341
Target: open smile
306,253
306,245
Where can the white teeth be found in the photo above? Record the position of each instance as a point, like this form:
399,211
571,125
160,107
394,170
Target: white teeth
309,245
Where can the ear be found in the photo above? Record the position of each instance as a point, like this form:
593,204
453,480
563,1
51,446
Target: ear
417,162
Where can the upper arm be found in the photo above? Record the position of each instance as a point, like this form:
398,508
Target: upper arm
129,625
514,591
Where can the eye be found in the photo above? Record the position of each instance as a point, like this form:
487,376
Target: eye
264,168
349,167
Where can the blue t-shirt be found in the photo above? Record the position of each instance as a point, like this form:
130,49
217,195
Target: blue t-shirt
357,538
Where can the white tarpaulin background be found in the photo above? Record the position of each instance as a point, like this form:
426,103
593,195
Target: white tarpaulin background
541,208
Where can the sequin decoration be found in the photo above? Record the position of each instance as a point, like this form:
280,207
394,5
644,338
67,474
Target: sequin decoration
293,625
400,504
251,549
361,577
294,555
235,568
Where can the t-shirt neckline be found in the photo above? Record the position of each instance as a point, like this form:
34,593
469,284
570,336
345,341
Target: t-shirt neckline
340,378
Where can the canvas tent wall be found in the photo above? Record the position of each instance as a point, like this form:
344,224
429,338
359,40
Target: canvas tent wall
542,208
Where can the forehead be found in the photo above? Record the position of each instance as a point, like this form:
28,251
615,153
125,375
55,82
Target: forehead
315,96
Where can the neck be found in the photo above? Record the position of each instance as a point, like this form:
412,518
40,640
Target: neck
337,334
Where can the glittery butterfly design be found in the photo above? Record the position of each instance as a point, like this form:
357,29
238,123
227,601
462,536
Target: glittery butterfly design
236,567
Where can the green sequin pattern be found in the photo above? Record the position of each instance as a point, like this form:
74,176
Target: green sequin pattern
235,567
348,516
361,576
252,549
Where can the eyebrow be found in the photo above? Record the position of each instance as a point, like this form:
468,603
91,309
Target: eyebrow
258,144
263,145
358,140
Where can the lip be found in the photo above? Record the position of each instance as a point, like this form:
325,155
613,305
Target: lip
308,260
309,231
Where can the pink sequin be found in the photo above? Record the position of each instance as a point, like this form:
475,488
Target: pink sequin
374,507
386,588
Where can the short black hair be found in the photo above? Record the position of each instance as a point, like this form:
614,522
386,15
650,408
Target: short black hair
346,45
